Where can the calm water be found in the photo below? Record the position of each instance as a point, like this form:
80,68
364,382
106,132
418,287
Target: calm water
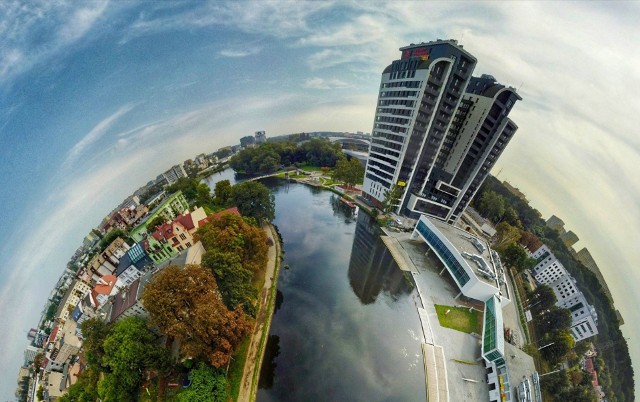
345,326
227,174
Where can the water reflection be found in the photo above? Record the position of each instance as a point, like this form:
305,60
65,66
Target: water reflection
372,269
342,209
332,347
268,369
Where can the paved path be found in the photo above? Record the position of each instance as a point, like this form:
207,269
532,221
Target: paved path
399,254
263,322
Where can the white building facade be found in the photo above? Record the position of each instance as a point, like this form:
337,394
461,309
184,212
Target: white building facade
550,271
437,130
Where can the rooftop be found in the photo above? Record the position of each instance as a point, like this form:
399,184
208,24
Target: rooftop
124,300
475,251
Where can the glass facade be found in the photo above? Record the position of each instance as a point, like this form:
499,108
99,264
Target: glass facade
492,337
458,272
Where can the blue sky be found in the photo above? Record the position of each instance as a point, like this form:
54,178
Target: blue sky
98,97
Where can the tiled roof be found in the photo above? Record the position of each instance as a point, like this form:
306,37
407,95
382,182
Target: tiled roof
186,220
105,285
124,300
52,337
163,232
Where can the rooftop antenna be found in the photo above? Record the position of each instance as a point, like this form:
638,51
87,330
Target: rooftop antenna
500,171
518,90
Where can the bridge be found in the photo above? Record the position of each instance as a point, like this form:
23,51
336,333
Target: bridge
358,142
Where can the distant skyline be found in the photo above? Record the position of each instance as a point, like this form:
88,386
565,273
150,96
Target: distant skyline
97,98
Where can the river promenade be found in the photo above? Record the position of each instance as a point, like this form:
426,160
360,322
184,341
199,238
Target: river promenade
255,352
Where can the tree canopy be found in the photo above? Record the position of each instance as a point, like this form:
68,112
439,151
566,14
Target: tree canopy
185,304
223,193
543,298
349,171
129,350
254,200
236,250
207,385
196,192
491,205
513,255
268,157
392,198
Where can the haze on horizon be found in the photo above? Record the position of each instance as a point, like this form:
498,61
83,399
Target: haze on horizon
97,98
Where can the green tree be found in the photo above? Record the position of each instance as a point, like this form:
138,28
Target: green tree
111,236
223,193
581,393
40,393
392,198
37,362
348,171
554,320
505,235
555,383
207,385
511,217
515,256
543,298
85,389
254,200
236,250
196,193
155,223
94,331
129,350
185,304
556,346
491,205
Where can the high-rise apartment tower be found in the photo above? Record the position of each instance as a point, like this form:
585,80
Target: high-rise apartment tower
438,131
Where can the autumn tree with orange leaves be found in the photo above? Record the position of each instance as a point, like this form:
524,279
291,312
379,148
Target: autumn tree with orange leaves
185,303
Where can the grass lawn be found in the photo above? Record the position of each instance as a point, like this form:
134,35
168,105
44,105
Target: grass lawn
460,319
310,168
236,367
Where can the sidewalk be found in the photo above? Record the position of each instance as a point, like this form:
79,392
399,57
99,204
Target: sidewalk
253,361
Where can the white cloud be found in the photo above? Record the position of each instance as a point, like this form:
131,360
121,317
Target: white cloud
94,135
239,52
34,32
321,83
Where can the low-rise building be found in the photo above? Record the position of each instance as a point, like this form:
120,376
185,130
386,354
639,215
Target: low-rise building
106,261
132,265
172,206
129,303
74,294
178,234
474,266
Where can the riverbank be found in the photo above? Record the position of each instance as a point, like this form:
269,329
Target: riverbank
255,352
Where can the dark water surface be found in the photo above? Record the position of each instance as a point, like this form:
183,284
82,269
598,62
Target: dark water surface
345,326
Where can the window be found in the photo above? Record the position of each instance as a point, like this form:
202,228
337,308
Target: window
182,236
188,244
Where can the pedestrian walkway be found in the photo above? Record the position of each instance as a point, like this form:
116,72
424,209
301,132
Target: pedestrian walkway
399,254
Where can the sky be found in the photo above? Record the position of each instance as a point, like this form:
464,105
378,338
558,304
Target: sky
98,97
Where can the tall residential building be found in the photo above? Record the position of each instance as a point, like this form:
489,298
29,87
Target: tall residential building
261,137
438,131
176,172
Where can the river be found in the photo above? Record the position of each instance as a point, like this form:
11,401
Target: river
345,327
